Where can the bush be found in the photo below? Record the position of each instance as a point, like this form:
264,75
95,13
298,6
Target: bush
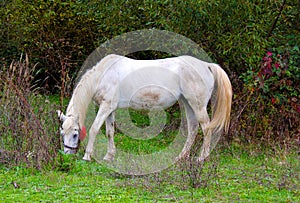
269,104
59,35
28,121
277,79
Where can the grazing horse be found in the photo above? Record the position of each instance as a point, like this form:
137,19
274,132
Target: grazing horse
120,82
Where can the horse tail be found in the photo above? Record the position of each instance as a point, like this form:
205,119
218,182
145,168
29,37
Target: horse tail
220,101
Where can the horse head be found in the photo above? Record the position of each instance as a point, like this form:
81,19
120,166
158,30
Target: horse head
71,132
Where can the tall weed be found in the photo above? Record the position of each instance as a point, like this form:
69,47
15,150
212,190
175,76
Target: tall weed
28,122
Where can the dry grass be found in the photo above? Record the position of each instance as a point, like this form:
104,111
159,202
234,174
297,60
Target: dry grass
27,119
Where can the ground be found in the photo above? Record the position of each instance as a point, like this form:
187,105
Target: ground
229,176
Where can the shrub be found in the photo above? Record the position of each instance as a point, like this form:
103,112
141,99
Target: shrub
277,78
28,121
269,102
59,35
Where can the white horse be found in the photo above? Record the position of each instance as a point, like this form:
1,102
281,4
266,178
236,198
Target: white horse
120,82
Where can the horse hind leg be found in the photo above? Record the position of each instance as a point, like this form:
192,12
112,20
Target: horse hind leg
110,129
192,125
204,121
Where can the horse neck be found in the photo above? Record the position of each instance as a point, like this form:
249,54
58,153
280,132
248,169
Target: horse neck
84,92
80,100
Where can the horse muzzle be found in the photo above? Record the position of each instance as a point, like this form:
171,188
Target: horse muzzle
70,150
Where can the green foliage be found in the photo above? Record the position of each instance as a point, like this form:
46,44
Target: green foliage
54,33
159,141
270,102
59,33
239,177
277,78
65,162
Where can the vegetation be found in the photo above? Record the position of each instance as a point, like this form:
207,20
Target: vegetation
236,34
234,176
257,43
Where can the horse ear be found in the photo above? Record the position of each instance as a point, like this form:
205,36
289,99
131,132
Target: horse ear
61,115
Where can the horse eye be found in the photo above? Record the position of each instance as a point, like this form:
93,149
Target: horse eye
74,136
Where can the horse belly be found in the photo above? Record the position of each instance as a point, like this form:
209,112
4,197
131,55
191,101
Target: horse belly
154,97
149,97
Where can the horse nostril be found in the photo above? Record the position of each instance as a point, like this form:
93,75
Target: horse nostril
69,151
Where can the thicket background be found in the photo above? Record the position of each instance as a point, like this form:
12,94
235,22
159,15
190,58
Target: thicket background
256,42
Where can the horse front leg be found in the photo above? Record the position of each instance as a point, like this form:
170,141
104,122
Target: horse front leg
110,130
103,112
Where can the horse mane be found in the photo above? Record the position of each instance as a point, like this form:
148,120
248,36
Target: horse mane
85,89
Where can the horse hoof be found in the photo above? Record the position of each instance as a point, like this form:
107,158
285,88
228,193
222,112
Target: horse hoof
108,157
87,157
202,160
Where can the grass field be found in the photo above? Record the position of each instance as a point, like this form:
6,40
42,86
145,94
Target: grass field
230,175
32,169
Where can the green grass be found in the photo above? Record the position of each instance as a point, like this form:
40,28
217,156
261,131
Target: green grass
231,176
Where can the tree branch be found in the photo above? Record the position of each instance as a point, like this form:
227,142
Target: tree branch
276,19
